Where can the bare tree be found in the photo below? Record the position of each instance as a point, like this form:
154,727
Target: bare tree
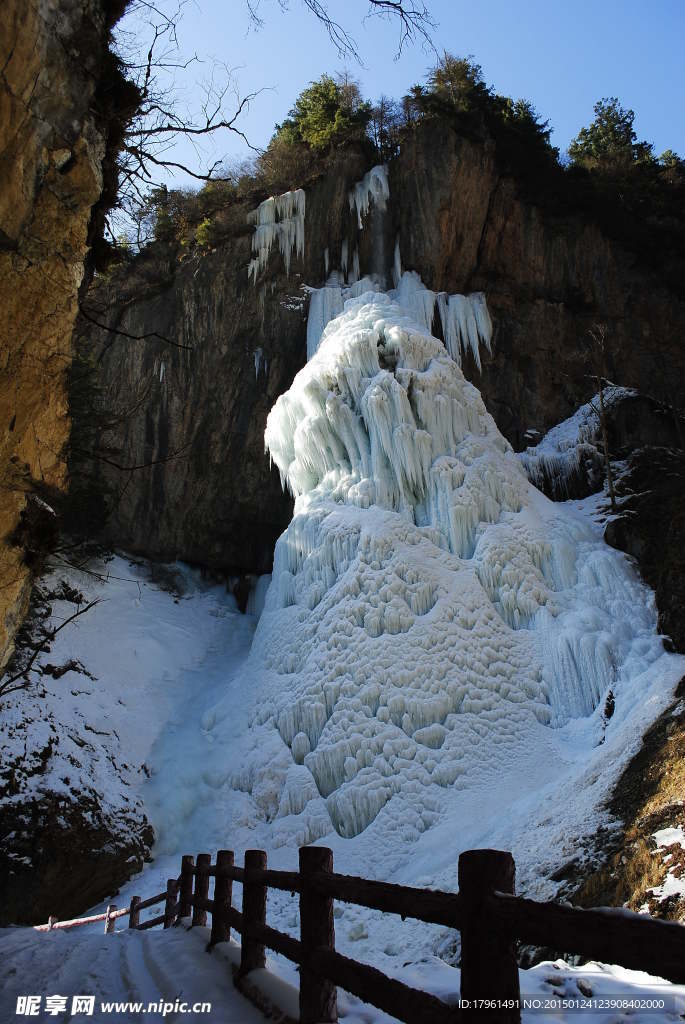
162,119
386,120
157,68
20,680
411,17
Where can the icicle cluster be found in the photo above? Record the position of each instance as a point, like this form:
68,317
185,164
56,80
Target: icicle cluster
260,361
465,319
373,186
278,219
373,418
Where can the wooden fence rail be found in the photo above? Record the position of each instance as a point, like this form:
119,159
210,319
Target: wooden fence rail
485,910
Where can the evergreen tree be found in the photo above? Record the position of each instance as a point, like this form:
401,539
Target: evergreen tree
327,111
610,142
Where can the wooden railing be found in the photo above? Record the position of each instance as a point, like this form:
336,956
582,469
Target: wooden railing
485,910
110,915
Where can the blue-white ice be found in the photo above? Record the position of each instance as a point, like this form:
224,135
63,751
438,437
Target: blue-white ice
431,613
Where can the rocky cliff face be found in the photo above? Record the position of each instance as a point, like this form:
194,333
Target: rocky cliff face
548,279
192,417
54,147
195,357
61,97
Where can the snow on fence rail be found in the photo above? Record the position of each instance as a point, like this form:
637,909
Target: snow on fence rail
485,910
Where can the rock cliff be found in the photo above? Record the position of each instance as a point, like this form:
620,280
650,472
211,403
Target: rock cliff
190,419
194,359
54,161
548,278
62,103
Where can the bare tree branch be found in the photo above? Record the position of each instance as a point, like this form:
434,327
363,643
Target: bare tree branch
149,153
7,686
134,337
412,17
131,469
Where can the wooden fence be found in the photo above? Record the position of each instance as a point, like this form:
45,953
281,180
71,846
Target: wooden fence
485,910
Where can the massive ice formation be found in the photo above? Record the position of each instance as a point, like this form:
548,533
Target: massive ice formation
433,619
278,219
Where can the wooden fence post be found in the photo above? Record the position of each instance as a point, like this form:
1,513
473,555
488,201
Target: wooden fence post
170,905
488,953
201,888
223,894
133,912
318,996
254,912
186,893
110,922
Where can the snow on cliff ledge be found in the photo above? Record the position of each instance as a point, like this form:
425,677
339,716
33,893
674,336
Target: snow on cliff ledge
437,634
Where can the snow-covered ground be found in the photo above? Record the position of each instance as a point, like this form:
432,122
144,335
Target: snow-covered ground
142,971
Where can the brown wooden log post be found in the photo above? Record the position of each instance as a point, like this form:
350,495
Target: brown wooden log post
318,996
488,953
170,904
223,894
201,887
254,912
110,922
133,912
186,892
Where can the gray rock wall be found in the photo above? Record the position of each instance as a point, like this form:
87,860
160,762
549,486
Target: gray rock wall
205,491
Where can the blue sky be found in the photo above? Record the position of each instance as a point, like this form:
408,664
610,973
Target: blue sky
562,56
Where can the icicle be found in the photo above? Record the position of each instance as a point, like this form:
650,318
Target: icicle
373,186
260,361
325,262
465,324
353,276
344,257
397,264
278,218
257,595
415,297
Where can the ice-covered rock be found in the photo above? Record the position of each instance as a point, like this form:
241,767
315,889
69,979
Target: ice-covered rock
568,458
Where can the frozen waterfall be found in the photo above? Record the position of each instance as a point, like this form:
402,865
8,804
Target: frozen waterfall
431,613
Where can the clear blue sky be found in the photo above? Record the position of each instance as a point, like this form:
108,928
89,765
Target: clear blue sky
562,55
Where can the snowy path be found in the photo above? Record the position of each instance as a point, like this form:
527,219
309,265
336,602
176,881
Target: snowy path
128,967
174,967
